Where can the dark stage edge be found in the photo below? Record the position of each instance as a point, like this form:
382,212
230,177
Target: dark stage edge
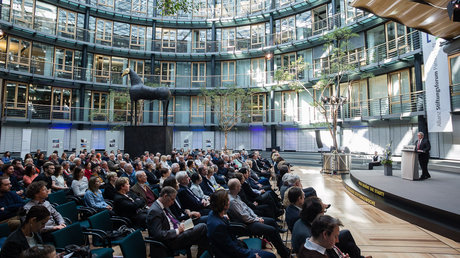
433,204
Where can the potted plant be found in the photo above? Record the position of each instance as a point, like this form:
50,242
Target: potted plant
387,161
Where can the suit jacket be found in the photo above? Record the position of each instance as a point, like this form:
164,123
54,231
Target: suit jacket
250,194
158,224
223,244
291,216
16,243
109,191
177,210
188,199
137,189
207,187
125,207
425,146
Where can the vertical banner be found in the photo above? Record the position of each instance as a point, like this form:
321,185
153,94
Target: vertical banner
436,84
26,138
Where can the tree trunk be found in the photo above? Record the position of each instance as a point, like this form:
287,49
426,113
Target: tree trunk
225,141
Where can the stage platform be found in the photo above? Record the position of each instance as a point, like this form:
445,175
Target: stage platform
433,203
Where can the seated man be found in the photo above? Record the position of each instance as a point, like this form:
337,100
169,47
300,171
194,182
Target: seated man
187,198
164,227
10,202
296,198
127,204
289,179
239,211
142,189
375,161
48,171
325,233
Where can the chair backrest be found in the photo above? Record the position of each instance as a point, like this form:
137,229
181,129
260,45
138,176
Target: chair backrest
70,235
4,230
101,221
68,210
156,192
133,246
57,197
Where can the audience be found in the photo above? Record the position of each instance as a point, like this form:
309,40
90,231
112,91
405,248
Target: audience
10,201
142,189
93,197
80,182
127,204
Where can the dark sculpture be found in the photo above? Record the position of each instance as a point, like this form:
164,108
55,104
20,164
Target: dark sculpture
139,91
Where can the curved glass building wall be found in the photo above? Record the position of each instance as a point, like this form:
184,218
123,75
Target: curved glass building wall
61,64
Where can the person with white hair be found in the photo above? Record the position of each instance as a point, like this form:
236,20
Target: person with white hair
187,198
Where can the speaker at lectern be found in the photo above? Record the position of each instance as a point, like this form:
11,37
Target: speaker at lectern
409,163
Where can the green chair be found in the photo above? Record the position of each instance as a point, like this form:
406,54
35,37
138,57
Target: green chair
133,245
74,235
72,214
61,197
102,223
253,243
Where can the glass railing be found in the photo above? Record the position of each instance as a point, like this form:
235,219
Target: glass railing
385,107
112,76
404,104
174,44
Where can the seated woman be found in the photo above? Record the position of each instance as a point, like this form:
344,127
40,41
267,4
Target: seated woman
109,187
312,207
59,182
93,196
224,244
195,186
27,235
38,193
79,183
30,174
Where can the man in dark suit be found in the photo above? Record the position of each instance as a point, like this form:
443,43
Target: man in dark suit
164,227
187,198
423,147
296,198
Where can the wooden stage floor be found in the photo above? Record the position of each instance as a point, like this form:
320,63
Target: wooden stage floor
376,232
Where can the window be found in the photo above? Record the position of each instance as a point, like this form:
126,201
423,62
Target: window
396,39
320,19
16,95
121,107
199,40
171,110
67,23
399,90
138,35
287,29
258,107
22,13
257,35
257,5
102,68
454,79
228,39
106,3
45,17
228,72
288,61
139,6
243,37
201,10
198,72
63,63
352,14
137,66
320,65
289,106
168,38
197,106
99,105
357,56
284,2
19,54
168,72
227,8
61,103
104,32
257,71
117,65
358,98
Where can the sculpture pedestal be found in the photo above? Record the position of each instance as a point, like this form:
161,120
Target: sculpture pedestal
139,139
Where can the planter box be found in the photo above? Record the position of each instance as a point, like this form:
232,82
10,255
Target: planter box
388,170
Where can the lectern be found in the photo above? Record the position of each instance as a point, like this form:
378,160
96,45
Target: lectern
409,163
